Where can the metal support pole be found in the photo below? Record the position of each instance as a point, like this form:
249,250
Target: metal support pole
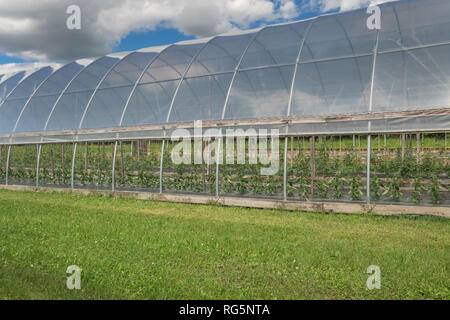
7,166
285,169
313,165
113,173
161,167
418,145
446,140
369,137
38,162
369,150
74,156
219,153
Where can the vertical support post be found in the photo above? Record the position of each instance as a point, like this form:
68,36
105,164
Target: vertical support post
219,156
369,136
332,146
113,173
161,168
313,165
74,156
445,140
38,162
139,154
369,150
403,140
86,157
122,159
63,155
286,140
203,165
418,145
7,165
292,151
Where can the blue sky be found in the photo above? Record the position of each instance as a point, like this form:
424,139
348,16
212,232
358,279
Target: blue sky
138,40
134,39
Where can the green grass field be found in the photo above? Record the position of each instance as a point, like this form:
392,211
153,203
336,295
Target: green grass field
131,249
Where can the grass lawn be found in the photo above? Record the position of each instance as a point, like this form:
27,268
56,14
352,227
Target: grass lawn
131,249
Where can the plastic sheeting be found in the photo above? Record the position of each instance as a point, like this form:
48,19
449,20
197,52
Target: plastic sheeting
324,67
7,84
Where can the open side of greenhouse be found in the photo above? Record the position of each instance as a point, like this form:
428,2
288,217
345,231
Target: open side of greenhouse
363,113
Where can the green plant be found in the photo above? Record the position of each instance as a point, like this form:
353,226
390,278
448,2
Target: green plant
394,187
376,187
337,185
418,188
355,189
434,189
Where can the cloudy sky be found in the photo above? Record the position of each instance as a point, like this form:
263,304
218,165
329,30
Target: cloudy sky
34,32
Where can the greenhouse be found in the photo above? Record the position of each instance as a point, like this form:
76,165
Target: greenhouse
361,113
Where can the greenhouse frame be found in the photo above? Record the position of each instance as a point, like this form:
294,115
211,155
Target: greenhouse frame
106,123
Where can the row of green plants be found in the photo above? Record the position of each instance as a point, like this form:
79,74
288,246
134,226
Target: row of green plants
22,165
133,172
96,172
401,179
395,178
419,177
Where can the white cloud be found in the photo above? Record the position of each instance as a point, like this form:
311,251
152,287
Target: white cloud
37,30
342,5
12,68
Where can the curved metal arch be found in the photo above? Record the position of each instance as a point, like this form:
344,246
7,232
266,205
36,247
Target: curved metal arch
406,97
15,87
18,84
35,92
173,68
65,90
318,73
275,62
202,76
294,77
32,95
237,69
291,94
133,64
170,109
188,67
159,83
98,86
303,37
237,61
139,80
353,51
144,71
